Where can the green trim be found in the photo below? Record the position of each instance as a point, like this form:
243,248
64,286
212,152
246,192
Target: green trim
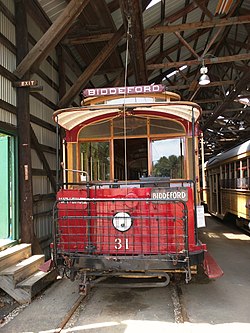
12,179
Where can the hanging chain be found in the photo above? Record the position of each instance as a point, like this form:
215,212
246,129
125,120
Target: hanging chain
124,102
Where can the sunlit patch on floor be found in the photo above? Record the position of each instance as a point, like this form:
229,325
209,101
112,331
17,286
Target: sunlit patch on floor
230,235
211,234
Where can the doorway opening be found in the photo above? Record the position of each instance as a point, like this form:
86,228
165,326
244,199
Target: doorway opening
8,193
137,158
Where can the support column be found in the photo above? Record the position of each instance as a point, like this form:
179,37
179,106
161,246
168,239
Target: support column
60,130
23,129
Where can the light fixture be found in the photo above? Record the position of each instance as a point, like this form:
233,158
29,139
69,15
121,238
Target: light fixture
204,79
122,221
241,127
243,99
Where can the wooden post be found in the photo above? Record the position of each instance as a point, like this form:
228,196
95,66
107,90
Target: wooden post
23,129
62,92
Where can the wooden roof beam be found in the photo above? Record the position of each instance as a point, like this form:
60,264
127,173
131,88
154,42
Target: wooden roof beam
51,38
197,25
162,29
132,17
91,69
229,99
204,8
107,36
211,84
208,61
120,79
188,46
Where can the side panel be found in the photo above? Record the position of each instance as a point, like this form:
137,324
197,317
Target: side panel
234,202
72,220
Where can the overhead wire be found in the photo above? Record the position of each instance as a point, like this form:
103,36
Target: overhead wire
124,100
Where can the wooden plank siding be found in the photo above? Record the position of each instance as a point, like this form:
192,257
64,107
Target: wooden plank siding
41,116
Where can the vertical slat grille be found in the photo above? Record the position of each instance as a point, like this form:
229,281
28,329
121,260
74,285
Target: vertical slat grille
148,227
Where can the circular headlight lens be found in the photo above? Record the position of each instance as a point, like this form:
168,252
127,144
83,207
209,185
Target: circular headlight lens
122,221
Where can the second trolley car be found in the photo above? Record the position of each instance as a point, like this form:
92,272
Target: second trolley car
128,204
227,191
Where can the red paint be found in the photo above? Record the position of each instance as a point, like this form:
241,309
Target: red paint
151,232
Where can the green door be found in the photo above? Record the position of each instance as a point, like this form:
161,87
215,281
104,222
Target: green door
7,192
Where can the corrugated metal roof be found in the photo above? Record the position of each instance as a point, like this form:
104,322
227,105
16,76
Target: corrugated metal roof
236,151
105,16
53,8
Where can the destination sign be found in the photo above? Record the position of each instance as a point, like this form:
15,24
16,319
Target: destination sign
124,90
170,194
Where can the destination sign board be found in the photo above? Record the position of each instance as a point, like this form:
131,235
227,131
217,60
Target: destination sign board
169,194
124,90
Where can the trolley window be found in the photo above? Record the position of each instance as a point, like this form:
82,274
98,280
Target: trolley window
95,159
136,158
133,126
131,148
167,158
232,176
161,126
99,130
245,177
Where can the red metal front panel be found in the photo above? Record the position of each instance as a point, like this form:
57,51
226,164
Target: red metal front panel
72,222
157,227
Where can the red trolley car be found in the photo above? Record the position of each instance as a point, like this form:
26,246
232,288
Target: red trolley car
128,202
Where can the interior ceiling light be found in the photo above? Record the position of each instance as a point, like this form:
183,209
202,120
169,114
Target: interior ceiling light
241,128
204,79
243,100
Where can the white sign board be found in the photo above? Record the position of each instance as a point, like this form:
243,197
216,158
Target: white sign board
200,217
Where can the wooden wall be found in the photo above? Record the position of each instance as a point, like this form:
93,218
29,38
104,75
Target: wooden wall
27,113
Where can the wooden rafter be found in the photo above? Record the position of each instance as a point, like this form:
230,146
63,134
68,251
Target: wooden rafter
187,45
133,19
198,25
42,158
189,87
204,8
163,29
91,69
229,99
96,63
208,61
51,38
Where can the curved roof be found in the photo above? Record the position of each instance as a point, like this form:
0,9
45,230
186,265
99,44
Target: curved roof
236,151
72,117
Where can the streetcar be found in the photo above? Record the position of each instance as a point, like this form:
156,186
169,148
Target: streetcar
128,204
227,192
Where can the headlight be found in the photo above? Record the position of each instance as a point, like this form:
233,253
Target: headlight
122,221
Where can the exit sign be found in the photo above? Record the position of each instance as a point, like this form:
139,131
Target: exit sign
29,83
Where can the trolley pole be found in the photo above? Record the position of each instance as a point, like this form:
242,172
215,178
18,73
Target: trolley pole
57,155
194,172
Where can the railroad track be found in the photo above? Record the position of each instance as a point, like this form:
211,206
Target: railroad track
102,306
73,317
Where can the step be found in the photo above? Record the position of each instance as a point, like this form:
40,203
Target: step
27,289
24,268
20,295
37,282
14,254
